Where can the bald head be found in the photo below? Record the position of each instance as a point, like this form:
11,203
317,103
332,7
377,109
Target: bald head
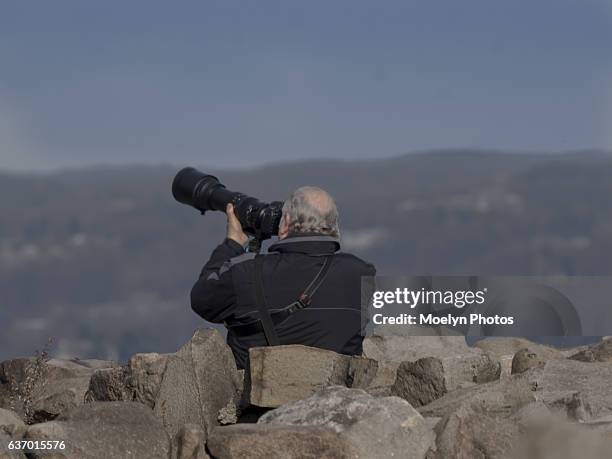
310,210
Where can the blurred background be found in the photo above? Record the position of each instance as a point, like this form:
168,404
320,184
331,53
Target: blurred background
467,137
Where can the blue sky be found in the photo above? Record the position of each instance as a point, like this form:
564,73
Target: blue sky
243,83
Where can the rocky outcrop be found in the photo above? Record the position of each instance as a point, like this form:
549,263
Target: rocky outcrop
102,430
376,427
417,397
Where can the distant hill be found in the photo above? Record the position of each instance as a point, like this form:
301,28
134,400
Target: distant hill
102,259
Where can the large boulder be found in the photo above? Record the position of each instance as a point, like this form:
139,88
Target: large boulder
40,389
257,441
196,385
282,374
381,427
104,429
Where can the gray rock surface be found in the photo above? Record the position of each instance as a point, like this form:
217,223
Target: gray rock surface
376,377
555,439
282,374
505,396
566,377
257,441
5,452
9,418
104,430
376,427
217,379
411,348
189,443
177,401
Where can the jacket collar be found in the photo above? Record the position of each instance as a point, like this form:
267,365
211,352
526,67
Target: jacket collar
309,243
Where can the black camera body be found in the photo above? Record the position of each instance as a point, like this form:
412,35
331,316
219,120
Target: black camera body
204,192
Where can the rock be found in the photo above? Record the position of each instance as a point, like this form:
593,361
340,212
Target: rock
104,429
109,385
192,385
424,380
144,377
40,390
471,433
5,452
561,440
455,364
177,401
189,443
375,377
505,396
483,420
282,374
218,382
503,350
601,352
411,348
560,378
9,418
257,441
374,427
525,360
503,346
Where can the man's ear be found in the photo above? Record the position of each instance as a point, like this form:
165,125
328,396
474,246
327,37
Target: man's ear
283,227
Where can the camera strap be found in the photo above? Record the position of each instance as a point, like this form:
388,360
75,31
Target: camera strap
264,314
267,321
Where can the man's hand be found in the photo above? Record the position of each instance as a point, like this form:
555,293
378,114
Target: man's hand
234,228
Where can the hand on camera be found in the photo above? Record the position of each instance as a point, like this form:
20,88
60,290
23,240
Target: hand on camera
234,228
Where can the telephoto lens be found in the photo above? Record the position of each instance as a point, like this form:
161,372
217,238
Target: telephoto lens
204,192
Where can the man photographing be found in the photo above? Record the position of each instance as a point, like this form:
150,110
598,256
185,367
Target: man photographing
303,291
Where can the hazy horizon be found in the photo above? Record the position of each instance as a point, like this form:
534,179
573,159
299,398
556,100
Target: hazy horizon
290,162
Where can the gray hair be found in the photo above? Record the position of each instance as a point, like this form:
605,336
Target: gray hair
311,210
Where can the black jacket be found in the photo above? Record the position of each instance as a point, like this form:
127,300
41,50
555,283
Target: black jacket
225,291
